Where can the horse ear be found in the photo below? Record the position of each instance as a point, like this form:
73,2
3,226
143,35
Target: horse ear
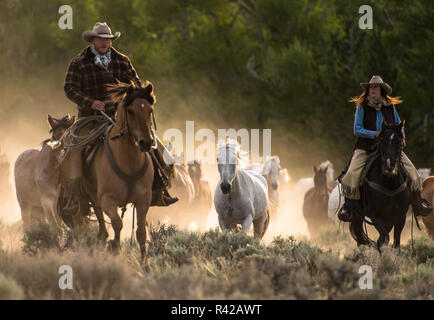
51,121
72,119
149,87
401,125
314,169
131,88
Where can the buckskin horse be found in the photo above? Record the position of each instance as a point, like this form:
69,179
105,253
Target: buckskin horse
37,178
385,195
122,170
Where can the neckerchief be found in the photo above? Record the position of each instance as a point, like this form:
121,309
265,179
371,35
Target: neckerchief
101,60
377,103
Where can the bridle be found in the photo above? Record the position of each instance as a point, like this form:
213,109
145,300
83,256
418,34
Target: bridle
126,128
382,189
382,157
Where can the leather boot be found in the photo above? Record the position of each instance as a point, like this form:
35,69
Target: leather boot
345,214
161,198
75,203
350,207
421,207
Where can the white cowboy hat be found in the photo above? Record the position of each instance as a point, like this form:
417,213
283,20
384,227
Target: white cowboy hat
379,81
100,30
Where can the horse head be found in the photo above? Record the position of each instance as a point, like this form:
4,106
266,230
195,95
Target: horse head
390,147
58,126
195,172
227,159
320,178
134,112
271,171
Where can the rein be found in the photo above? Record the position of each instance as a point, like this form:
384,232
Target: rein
382,189
386,191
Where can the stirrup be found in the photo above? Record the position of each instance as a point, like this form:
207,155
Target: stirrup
345,215
423,209
77,207
161,200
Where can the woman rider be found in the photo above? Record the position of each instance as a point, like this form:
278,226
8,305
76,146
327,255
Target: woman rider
373,106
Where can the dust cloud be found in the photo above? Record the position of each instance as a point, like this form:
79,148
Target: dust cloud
26,129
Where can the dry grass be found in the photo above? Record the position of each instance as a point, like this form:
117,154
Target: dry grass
213,265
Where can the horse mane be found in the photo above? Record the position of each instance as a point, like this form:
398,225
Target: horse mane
267,164
233,145
127,92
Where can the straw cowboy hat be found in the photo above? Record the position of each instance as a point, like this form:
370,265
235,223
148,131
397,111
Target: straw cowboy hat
379,81
100,30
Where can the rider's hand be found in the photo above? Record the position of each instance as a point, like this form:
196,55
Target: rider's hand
377,134
98,105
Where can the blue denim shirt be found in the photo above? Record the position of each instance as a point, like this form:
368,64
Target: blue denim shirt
359,129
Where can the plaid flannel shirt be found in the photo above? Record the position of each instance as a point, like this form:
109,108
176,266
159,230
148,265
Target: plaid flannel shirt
85,81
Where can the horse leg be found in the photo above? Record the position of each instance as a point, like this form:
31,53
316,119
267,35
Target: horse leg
111,209
397,229
222,223
49,209
102,233
383,239
142,210
356,229
260,226
246,223
26,215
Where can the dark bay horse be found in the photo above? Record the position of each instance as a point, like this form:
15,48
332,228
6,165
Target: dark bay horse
37,178
202,202
129,143
315,205
385,195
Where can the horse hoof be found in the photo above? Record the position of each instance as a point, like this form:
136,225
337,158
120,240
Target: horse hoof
113,247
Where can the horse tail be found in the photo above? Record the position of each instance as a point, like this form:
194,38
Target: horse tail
357,232
266,223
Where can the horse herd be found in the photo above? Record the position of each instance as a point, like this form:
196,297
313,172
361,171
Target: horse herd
247,194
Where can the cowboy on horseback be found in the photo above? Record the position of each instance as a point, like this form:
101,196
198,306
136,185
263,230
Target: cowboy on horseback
374,106
86,79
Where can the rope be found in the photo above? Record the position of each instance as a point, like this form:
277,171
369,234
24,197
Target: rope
132,226
72,140
412,244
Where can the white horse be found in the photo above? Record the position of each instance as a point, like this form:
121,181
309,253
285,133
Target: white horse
336,201
241,195
424,173
270,170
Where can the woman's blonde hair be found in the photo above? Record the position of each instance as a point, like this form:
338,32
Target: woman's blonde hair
359,99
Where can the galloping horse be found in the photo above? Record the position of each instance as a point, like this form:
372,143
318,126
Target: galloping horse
241,196
304,184
37,178
428,194
385,195
270,170
122,171
316,202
